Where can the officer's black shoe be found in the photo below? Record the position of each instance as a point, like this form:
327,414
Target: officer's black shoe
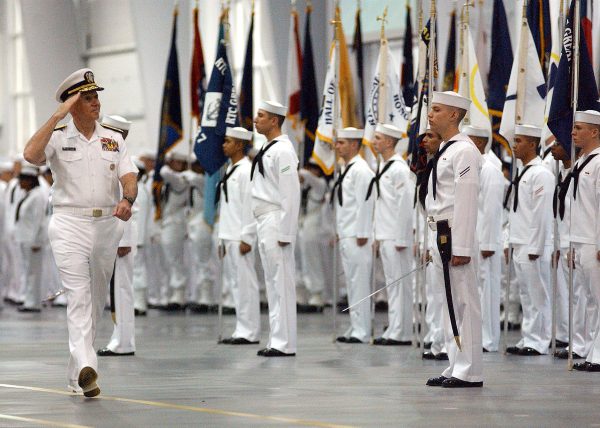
529,352
29,310
436,381
582,367
238,341
454,382
428,355
105,352
563,354
514,350
139,313
442,356
561,344
272,352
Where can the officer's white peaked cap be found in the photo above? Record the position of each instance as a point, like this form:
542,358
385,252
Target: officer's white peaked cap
475,131
452,99
588,116
351,133
389,130
273,107
239,133
118,122
79,81
528,131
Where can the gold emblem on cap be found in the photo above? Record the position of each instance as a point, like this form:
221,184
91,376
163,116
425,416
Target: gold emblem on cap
89,77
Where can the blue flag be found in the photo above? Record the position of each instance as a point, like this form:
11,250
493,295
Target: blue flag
407,79
246,101
450,73
560,119
499,76
309,100
538,17
170,117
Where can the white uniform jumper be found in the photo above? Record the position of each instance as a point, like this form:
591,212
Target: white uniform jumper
354,219
457,187
276,205
237,224
83,233
393,193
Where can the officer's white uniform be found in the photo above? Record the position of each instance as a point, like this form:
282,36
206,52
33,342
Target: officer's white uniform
83,233
30,232
237,224
531,233
457,188
489,235
354,219
394,228
173,231
276,205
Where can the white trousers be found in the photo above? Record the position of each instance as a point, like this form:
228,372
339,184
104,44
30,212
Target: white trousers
533,277
582,302
14,275
588,276
489,290
514,299
240,277
562,297
280,281
158,274
173,239
123,337
32,266
356,262
201,247
436,300
85,249
140,279
400,295
314,252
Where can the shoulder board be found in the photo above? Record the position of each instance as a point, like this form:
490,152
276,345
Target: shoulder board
60,127
112,128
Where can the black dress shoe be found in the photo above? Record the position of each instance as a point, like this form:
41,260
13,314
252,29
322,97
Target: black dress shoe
436,381
139,313
174,307
105,352
228,310
341,339
442,356
593,367
514,350
561,344
261,352
381,306
563,354
529,352
582,367
427,345
428,355
28,310
238,341
513,326
454,382
199,308
392,342
353,340
272,352
380,341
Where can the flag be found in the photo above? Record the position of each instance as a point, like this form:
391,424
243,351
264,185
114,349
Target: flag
293,124
220,112
470,84
171,131
538,18
246,100
388,110
586,10
527,71
309,104
340,90
450,72
499,76
407,79
197,74
357,48
551,76
482,49
560,118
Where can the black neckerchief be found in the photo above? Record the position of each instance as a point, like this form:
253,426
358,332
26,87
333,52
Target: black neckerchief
577,170
338,186
560,194
435,160
17,214
515,184
258,160
375,180
223,183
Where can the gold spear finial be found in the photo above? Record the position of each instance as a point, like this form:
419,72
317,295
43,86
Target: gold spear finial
383,19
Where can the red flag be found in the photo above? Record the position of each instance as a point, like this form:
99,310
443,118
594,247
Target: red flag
197,74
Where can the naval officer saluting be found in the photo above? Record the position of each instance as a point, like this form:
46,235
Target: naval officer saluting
88,162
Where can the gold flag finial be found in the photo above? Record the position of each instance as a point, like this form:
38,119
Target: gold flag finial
383,19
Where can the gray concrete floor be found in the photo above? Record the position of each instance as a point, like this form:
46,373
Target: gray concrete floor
181,377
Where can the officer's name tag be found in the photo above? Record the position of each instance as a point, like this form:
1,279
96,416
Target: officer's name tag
69,149
109,145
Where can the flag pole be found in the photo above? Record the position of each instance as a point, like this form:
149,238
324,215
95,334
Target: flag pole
335,22
192,128
575,87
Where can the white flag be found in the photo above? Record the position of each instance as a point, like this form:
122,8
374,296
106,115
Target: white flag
395,112
293,125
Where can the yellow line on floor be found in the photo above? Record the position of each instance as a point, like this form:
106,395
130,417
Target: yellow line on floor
42,422
185,407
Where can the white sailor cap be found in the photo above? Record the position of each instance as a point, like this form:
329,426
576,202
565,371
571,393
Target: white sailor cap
174,155
29,170
350,133
389,130
79,81
273,107
451,98
138,162
475,131
6,166
588,116
118,123
528,131
148,154
239,133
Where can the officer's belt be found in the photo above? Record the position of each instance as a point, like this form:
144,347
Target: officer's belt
85,212
433,219
263,207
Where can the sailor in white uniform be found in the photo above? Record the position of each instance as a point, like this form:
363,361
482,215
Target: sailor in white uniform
354,225
452,200
276,205
88,162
